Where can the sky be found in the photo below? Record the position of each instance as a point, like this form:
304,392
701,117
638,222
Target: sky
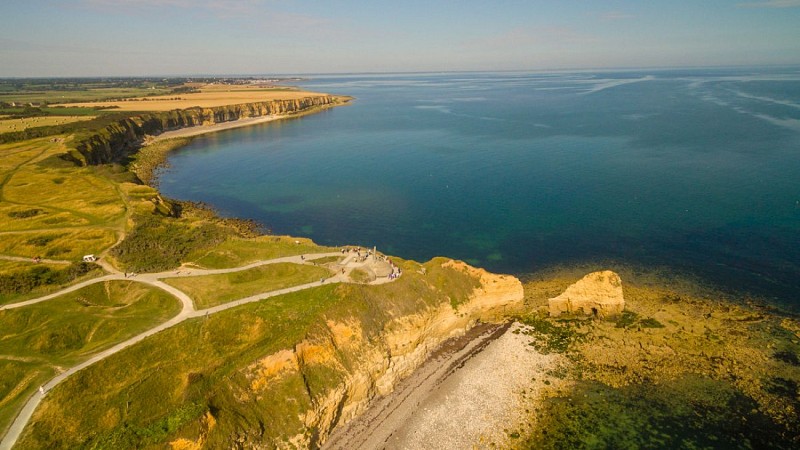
42,38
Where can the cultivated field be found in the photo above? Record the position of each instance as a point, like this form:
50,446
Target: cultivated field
209,96
7,125
21,91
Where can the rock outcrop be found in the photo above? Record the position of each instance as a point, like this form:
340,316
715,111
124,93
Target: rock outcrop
598,294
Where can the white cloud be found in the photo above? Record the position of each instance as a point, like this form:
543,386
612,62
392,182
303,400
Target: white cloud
772,4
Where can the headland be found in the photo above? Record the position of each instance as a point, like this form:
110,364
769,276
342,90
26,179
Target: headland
283,341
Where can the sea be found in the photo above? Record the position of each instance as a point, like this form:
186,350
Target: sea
695,170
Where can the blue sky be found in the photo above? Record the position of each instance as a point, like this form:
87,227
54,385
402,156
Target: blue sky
190,37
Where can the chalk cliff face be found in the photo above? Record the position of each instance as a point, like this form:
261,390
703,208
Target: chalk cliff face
599,294
373,365
118,139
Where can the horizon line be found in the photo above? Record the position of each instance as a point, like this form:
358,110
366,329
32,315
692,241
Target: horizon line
410,72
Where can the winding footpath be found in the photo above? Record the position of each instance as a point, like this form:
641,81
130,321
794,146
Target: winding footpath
188,311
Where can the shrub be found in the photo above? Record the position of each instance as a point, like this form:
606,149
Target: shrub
24,281
25,214
162,243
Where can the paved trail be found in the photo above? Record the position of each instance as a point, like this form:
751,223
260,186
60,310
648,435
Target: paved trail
187,311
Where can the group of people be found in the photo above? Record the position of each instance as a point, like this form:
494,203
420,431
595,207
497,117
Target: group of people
357,251
362,255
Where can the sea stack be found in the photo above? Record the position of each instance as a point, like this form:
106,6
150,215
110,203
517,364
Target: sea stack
597,294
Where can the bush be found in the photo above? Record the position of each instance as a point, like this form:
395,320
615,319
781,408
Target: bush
25,214
41,241
157,244
651,323
27,280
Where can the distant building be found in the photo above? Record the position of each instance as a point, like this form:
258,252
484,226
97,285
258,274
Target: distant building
89,258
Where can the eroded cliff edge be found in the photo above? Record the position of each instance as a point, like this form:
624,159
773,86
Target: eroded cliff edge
276,374
123,136
373,363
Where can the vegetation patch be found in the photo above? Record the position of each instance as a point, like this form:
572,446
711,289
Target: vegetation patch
360,276
70,246
689,413
158,243
236,251
651,323
551,335
42,240
67,329
212,290
24,214
27,280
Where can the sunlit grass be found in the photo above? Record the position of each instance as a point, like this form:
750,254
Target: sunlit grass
212,290
236,252
38,339
199,366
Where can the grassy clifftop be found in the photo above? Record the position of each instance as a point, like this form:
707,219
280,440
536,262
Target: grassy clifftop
269,373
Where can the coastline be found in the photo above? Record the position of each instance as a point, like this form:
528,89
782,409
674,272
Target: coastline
205,129
627,364
153,150
623,349
198,130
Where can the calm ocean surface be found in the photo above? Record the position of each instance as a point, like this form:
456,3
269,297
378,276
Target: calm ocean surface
697,170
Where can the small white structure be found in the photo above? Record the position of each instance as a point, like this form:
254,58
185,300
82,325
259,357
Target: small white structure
89,258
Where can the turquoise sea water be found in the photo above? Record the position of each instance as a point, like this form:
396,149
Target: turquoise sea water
697,170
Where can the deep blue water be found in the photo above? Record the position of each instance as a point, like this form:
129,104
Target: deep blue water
697,170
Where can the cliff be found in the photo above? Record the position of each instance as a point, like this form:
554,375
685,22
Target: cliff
373,365
117,140
275,374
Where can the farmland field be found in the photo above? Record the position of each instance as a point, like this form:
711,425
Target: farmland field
7,125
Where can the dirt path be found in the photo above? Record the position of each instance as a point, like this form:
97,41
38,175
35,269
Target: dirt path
187,311
29,260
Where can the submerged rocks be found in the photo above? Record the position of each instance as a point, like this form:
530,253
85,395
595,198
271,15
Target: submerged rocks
598,294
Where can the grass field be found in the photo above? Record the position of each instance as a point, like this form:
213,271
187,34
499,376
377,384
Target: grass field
158,390
56,210
212,290
7,125
53,209
40,339
236,252
65,245
208,97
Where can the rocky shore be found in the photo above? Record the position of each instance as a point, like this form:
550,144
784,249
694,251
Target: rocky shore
680,367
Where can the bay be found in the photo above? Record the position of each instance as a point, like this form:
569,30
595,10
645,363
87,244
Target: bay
697,170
